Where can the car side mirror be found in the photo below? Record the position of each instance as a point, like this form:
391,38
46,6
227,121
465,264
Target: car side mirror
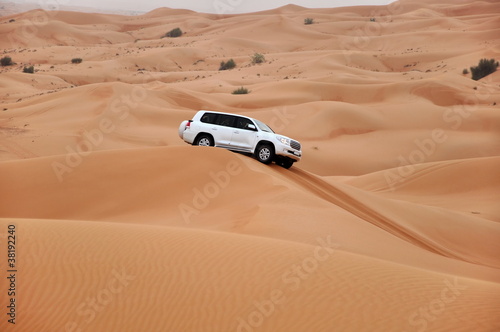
251,127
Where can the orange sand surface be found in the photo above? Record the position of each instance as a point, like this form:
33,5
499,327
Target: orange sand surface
391,221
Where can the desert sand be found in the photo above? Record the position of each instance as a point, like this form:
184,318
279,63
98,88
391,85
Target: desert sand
391,222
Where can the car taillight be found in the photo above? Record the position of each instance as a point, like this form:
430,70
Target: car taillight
188,125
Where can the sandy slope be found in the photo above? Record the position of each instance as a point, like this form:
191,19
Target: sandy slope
389,223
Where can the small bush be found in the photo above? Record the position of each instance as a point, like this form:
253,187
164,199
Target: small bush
484,68
29,70
6,61
12,20
76,60
174,33
258,58
240,91
230,64
373,19
308,21
465,71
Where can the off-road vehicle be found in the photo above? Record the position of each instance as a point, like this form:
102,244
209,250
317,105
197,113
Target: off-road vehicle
242,134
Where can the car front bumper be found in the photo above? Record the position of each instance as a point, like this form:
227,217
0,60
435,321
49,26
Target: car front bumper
287,151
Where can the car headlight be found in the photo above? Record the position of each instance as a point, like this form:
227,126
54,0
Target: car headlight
284,140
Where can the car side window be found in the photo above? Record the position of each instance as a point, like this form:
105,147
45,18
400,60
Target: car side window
243,123
209,118
225,120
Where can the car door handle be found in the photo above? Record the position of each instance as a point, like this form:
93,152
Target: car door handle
236,132
214,128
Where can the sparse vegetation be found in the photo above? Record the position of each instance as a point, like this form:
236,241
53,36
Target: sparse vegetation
465,71
29,70
373,19
6,61
174,33
258,58
241,91
230,64
484,68
76,60
12,20
308,21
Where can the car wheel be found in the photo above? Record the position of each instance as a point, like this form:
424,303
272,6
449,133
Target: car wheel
204,140
286,163
265,153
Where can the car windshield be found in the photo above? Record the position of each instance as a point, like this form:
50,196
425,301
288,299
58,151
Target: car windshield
263,126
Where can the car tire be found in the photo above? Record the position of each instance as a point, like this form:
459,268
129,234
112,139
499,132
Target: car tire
286,163
204,140
265,153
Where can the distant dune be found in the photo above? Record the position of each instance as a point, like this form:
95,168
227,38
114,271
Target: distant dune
389,223
11,8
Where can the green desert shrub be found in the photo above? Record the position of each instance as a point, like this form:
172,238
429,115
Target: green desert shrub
258,58
484,68
6,61
76,60
230,64
308,21
29,70
174,33
241,91
465,71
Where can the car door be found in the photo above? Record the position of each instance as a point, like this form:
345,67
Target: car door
244,134
222,130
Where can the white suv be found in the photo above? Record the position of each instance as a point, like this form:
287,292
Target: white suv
241,134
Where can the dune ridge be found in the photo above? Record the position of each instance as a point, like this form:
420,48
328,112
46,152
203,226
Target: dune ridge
389,223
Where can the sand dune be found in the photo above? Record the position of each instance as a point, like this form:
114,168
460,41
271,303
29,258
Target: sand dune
389,223
184,280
